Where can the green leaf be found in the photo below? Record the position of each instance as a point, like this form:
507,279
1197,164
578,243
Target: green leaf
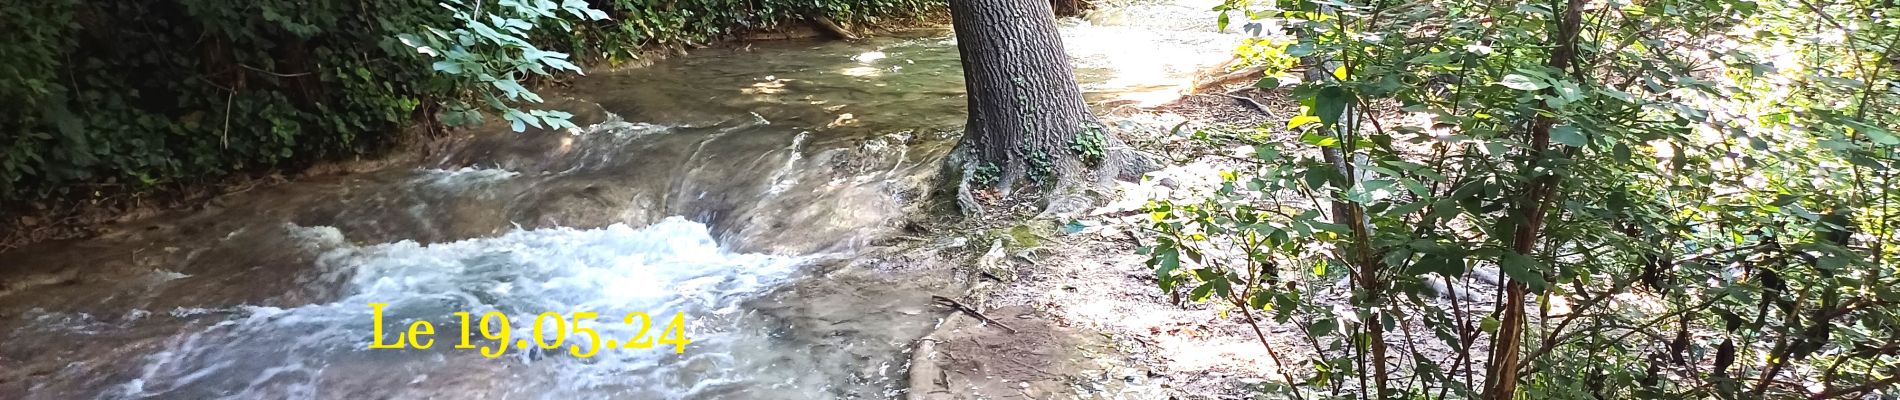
517,119
1874,133
1331,227
1522,268
551,114
1318,140
1566,93
1882,136
1320,175
1330,104
554,119
1299,50
1322,327
1166,259
514,90
1267,83
1521,82
1451,265
1266,152
1831,262
447,66
1201,292
1568,135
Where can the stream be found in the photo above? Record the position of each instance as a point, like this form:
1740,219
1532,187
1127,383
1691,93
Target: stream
741,186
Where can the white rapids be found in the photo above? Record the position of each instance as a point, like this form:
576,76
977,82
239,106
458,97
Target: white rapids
667,268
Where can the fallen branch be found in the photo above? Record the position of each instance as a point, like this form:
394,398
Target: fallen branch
947,302
1217,67
826,24
923,369
1243,100
1238,75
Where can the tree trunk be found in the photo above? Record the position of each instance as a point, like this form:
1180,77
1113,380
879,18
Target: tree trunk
1025,107
1501,375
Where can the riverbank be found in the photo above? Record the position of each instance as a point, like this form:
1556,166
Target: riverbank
94,210
1066,307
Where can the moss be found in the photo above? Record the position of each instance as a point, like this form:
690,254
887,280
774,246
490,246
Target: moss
1028,235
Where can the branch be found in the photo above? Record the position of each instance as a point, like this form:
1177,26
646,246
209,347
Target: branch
273,73
1856,389
947,302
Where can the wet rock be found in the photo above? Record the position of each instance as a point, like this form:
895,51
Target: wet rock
1135,163
993,262
1067,206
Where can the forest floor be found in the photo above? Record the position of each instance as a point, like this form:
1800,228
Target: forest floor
1094,278
1124,337
1091,320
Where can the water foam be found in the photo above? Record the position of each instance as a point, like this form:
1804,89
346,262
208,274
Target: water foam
670,267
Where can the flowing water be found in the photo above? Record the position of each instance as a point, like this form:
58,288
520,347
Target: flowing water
744,188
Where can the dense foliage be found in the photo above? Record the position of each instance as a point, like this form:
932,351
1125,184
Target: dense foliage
1677,199
111,96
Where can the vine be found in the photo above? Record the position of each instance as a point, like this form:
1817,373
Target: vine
1090,144
986,174
1042,167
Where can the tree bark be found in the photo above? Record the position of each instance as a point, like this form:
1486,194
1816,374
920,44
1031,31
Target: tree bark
1025,107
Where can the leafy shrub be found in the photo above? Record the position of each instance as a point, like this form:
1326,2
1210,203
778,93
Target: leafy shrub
124,95
491,55
1682,199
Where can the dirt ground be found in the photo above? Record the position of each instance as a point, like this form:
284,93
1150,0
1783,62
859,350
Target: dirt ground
1090,320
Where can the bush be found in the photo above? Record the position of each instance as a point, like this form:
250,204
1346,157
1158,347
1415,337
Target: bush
1670,209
